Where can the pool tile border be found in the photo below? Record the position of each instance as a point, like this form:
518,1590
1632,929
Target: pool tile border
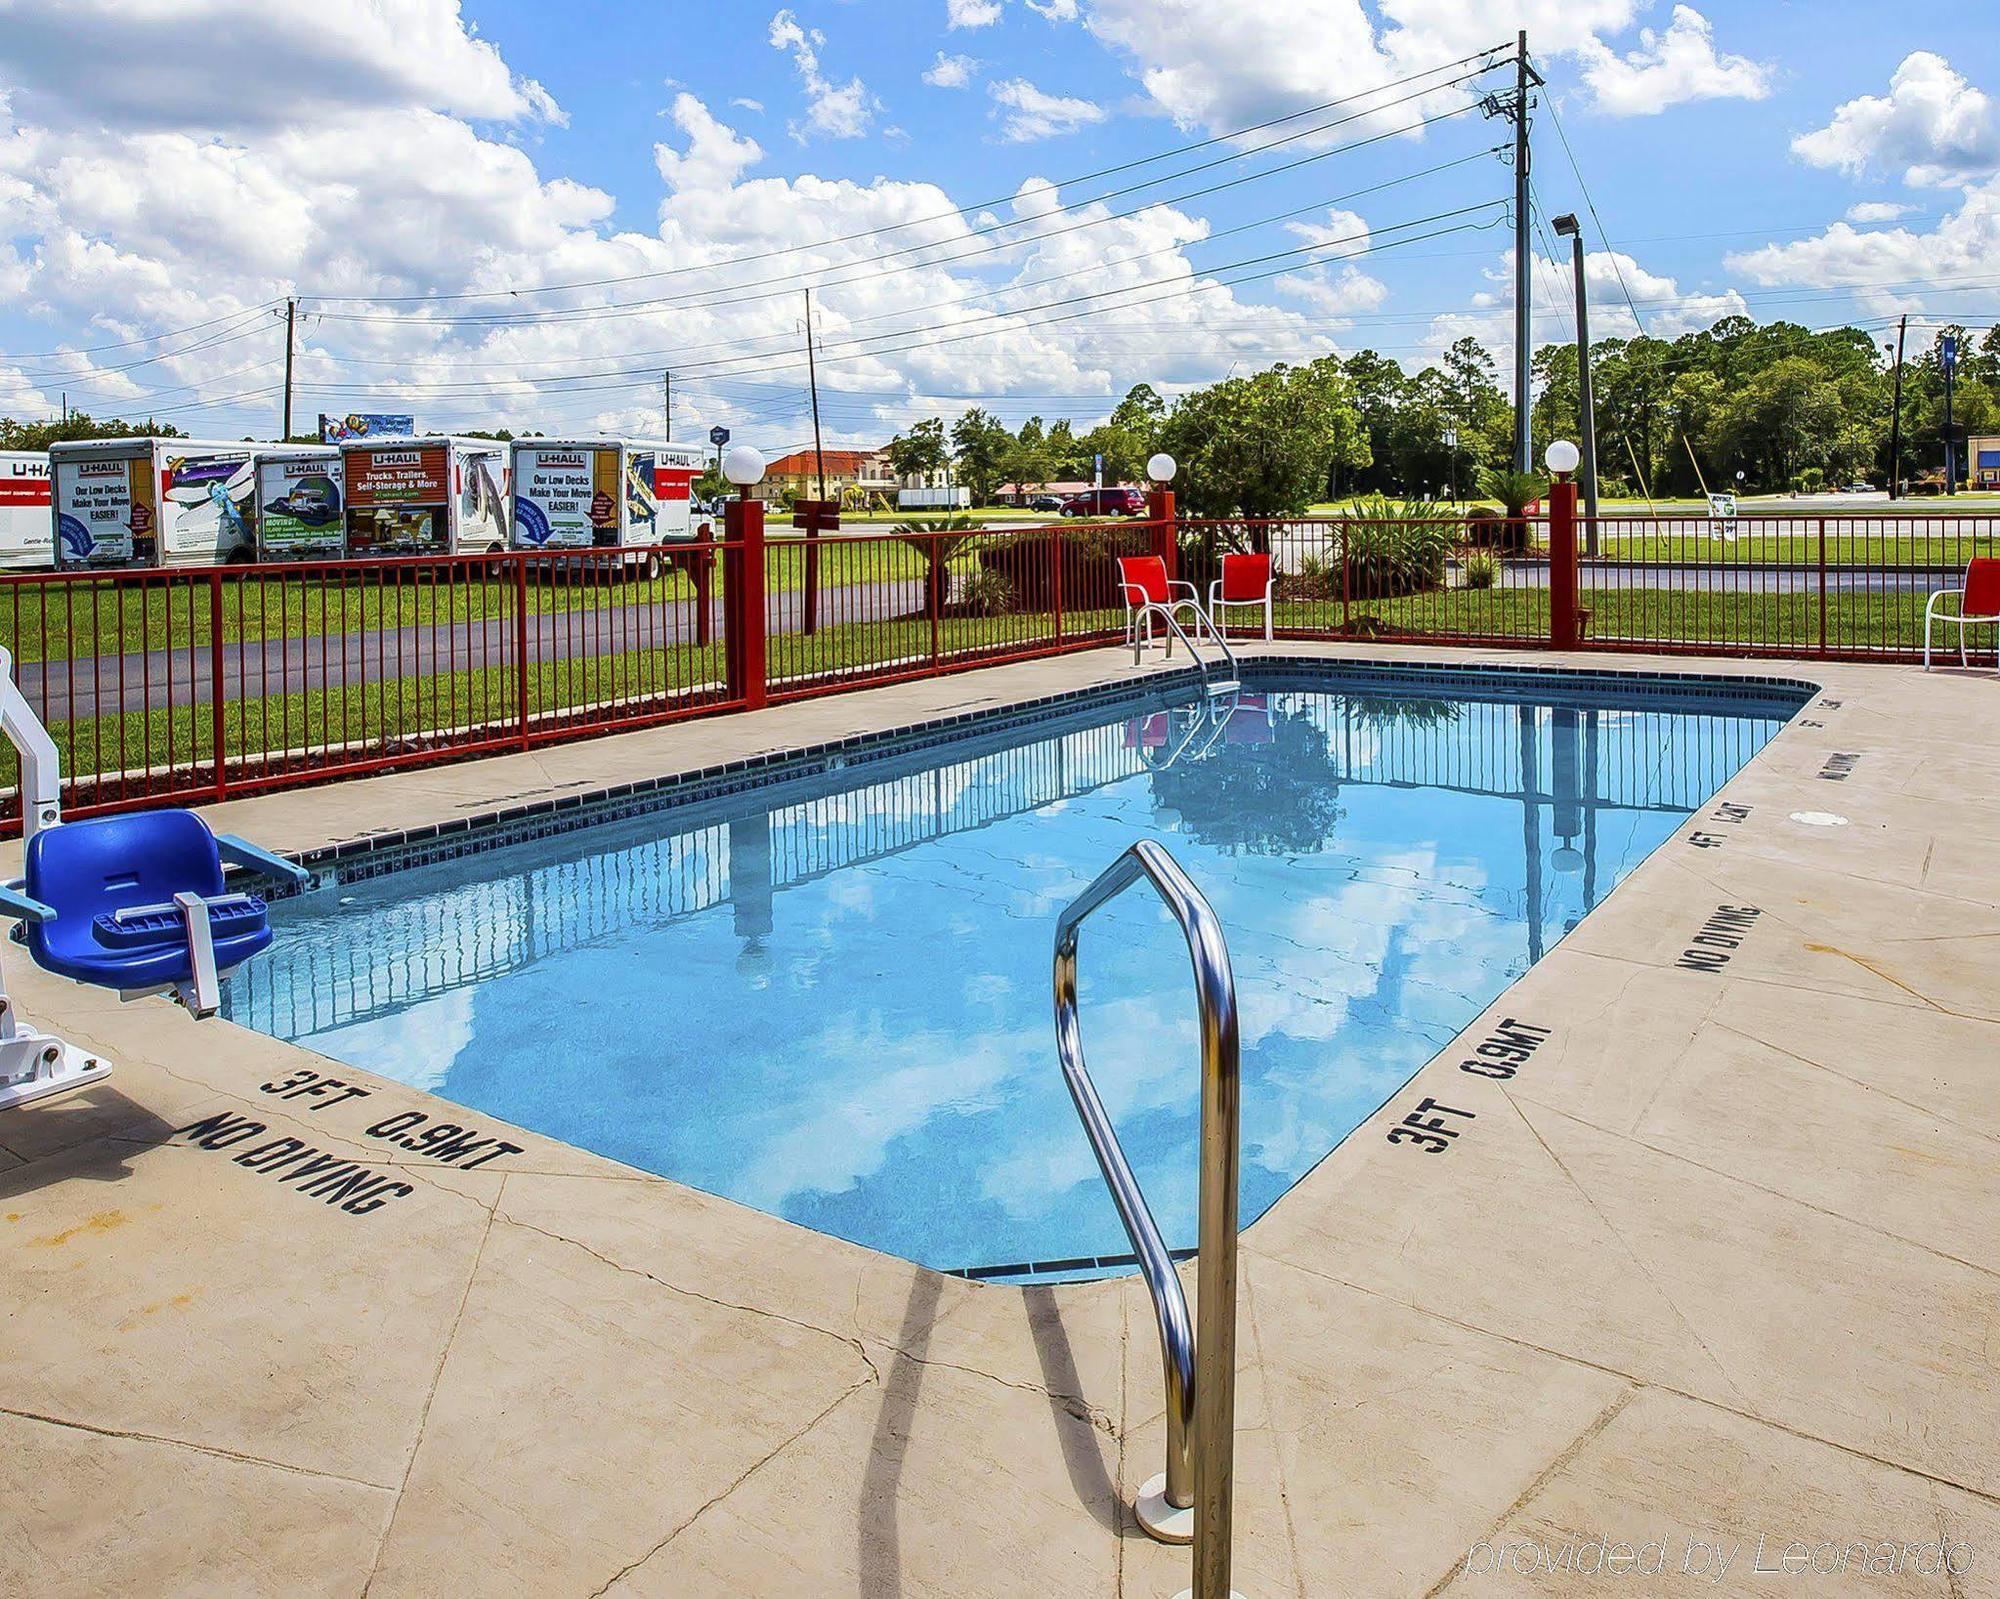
378,854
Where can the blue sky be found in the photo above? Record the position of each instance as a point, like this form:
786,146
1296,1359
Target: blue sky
408,168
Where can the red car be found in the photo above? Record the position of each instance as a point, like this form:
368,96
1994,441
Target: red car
1105,502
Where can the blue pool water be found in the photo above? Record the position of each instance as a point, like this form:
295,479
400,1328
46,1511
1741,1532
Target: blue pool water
830,997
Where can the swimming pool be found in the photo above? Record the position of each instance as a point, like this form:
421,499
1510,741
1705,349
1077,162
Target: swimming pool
826,994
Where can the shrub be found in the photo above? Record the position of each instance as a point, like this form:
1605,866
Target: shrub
1482,569
1089,565
1396,547
987,593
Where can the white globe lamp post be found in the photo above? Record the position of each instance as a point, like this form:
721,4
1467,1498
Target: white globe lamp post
743,466
1562,458
1161,468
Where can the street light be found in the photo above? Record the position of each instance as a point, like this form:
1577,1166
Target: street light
1569,228
743,466
1562,457
1161,468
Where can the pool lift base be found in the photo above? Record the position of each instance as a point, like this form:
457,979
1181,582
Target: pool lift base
35,1064
182,943
1162,1519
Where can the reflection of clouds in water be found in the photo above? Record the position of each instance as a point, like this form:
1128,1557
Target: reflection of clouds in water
416,1046
879,1087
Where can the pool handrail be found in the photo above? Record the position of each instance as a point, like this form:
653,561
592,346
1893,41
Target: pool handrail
1200,1363
1207,624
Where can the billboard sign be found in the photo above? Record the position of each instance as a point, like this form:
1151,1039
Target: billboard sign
25,535
299,506
399,499
565,498
365,425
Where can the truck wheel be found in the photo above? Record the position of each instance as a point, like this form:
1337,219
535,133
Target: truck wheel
652,567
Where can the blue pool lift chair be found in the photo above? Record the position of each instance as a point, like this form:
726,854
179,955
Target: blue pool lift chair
135,903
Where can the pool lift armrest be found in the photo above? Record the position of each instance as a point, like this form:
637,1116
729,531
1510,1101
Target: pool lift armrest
237,851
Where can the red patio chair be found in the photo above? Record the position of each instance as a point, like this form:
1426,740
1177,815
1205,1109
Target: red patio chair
1245,580
1148,591
1978,606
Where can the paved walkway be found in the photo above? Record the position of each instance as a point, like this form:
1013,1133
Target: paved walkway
1714,1275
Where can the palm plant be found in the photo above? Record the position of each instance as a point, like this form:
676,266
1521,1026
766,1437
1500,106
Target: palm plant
1396,546
937,539
1515,491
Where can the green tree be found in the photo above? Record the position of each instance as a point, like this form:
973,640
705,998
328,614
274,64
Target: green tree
921,452
982,448
1262,446
16,435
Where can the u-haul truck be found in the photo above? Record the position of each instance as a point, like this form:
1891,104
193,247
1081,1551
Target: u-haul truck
152,502
27,532
428,495
301,510
608,494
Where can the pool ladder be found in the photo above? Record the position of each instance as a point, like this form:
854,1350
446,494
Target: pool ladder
1190,1501
1205,625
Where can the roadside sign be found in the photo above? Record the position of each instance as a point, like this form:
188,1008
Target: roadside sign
1097,471
718,436
816,516
1948,352
1451,438
1722,516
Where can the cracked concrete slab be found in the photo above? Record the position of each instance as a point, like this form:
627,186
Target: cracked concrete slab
1713,1257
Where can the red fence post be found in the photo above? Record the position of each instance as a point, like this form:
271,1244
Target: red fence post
1160,508
1055,577
1822,585
1563,629
215,680
521,643
743,600
701,568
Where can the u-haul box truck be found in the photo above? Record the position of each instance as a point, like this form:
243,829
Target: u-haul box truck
152,502
301,511
27,532
429,495
607,494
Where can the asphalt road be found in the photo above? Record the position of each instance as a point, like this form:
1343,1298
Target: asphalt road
64,690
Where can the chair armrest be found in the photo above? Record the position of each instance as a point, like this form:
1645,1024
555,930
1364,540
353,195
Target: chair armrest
1930,605
241,852
21,908
1215,594
1194,594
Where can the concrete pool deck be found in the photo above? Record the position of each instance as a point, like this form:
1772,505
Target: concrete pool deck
1719,1262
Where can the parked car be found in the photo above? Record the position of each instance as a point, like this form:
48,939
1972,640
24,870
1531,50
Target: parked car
1045,502
1105,502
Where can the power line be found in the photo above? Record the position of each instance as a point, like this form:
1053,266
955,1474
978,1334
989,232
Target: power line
977,206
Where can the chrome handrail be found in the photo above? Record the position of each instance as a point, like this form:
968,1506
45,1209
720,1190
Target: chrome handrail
1201,1393
1154,607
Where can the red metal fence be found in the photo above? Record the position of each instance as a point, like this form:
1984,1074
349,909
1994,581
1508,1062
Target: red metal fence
198,684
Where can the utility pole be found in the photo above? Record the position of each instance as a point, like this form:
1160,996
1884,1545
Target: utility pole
1896,417
1948,356
667,400
291,320
1524,449
812,379
1515,109
1586,420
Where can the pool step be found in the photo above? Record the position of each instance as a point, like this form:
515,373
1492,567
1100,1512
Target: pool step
1224,685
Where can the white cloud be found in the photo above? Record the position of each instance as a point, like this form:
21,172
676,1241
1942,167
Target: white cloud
971,13
745,103
253,64
1887,268
1878,211
1054,10
950,72
1216,70
836,110
1337,296
1032,114
1666,309
1670,68
715,156
1932,123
